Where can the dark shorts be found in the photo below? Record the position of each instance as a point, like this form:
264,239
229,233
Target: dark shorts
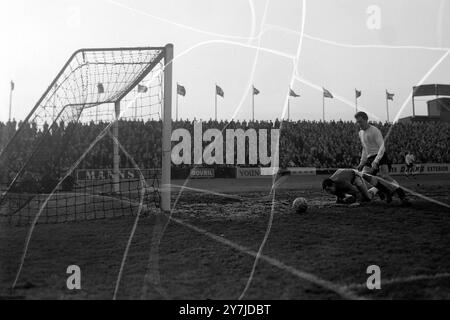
384,160
409,166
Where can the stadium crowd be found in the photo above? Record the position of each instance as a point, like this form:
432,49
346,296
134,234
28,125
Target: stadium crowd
302,143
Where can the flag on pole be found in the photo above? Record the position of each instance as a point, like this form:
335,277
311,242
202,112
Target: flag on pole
12,85
357,95
389,96
255,91
142,89
293,94
181,90
327,94
219,91
100,88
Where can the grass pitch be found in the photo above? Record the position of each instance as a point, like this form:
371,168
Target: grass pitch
207,249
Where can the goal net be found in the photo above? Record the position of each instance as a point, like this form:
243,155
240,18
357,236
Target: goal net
96,144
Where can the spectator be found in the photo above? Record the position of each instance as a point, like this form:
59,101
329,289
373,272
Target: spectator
302,143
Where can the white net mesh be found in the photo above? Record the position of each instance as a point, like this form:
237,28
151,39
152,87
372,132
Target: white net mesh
93,80
75,111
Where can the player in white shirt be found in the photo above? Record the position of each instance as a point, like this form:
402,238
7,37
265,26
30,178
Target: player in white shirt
374,159
409,161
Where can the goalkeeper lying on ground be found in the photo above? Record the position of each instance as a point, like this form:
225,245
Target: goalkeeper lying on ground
348,186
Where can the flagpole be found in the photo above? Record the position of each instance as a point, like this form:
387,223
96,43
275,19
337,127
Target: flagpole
10,100
356,102
323,107
215,90
387,106
253,104
176,116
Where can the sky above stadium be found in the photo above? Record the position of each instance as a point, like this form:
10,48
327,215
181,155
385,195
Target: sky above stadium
372,46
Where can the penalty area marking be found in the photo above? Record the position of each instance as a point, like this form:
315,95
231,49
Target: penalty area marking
224,195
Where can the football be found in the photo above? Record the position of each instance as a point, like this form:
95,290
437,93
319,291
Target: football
300,205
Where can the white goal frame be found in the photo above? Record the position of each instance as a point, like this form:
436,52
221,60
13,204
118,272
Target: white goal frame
166,54
165,189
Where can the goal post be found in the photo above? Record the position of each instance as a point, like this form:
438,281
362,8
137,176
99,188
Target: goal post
98,94
167,129
116,154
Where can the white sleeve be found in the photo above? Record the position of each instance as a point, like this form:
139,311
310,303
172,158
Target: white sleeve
380,141
364,149
363,156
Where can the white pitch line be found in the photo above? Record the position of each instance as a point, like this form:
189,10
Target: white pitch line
356,286
219,194
410,191
275,183
138,215
421,196
224,195
442,58
101,135
258,49
261,248
342,291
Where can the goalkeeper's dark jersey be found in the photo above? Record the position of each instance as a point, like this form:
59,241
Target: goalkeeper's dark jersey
344,179
344,175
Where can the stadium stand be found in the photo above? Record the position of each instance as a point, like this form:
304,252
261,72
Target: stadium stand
302,143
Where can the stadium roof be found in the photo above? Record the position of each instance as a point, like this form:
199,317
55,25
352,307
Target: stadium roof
431,90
